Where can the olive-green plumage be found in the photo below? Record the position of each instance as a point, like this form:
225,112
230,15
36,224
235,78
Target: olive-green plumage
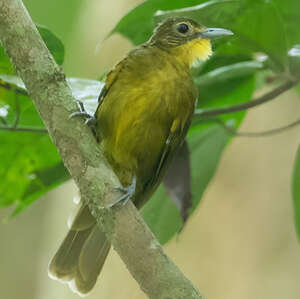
144,112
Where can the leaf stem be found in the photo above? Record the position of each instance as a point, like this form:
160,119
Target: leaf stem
266,133
24,129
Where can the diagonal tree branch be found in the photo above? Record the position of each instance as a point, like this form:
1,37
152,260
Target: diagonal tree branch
155,272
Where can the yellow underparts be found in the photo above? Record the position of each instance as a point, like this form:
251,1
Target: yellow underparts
194,50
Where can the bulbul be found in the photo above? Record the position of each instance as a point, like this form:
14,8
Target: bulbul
143,115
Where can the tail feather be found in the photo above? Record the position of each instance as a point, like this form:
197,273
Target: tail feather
81,255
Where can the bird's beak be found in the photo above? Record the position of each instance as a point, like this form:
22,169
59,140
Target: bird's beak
215,32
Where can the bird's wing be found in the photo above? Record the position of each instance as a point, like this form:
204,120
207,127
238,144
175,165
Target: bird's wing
111,77
173,142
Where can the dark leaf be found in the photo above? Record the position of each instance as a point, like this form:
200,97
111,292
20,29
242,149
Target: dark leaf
138,24
53,43
258,28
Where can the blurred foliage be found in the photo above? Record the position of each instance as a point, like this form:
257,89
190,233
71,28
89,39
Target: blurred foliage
58,16
266,41
296,193
36,169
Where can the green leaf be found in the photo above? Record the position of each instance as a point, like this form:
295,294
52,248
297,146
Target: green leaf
229,72
41,182
261,28
141,17
211,13
53,43
6,66
22,154
258,28
30,164
225,92
296,193
289,11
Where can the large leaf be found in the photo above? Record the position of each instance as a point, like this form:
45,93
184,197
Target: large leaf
296,193
22,154
258,28
53,43
228,72
28,158
138,24
289,11
220,85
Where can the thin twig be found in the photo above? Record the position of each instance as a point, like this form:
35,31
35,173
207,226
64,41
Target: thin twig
236,108
24,129
18,111
231,131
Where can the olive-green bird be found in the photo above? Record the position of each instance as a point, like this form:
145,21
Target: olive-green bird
144,112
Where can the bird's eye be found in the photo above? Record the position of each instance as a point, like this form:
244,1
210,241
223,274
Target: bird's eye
183,28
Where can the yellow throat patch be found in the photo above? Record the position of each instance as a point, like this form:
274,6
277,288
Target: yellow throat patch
196,49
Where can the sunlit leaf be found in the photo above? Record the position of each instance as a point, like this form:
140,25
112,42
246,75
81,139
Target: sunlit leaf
30,158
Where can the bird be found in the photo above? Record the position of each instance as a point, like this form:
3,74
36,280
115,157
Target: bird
143,115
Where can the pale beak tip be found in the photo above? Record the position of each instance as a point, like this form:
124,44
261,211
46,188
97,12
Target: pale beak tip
216,32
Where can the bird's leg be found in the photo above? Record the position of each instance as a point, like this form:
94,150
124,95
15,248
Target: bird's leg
89,119
128,193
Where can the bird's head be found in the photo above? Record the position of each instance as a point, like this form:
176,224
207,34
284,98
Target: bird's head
187,38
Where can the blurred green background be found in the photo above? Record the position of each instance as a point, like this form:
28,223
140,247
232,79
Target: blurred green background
240,243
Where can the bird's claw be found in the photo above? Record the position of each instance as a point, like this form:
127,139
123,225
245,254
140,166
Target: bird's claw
128,193
89,119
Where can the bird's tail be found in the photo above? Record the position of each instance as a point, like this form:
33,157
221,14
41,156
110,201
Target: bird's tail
81,255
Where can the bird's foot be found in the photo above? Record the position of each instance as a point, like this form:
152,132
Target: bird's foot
89,119
128,193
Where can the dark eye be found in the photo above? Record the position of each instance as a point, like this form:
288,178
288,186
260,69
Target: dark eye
183,28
